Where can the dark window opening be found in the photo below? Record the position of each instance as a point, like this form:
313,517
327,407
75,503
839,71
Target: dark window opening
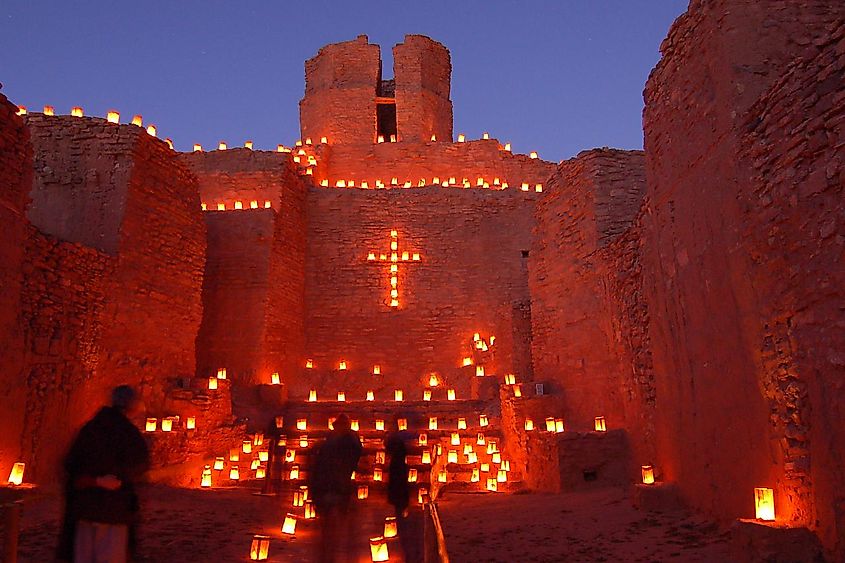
590,475
525,253
386,122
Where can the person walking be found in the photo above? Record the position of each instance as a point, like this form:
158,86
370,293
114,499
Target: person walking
332,489
399,493
105,462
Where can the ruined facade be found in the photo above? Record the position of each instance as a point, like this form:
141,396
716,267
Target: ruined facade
690,294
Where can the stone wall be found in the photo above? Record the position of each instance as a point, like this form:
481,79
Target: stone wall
581,286
471,277
15,182
742,239
340,93
423,72
253,293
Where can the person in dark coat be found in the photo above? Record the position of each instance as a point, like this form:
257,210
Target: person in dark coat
332,489
105,461
399,493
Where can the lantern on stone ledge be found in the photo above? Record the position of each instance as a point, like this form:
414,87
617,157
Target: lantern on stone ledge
260,472
260,548
205,482
289,525
212,383
354,425
303,441
764,504
371,396
398,395
648,474
390,527
294,473
380,456
559,425
441,476
456,439
601,426
16,474
363,492
450,395
246,446
302,424
380,425
427,395
462,423
510,379
426,458
412,475
517,390
423,440
298,499
191,423
234,454
234,473
341,396
312,396
151,425
275,379
218,464
377,474
402,423
482,420
529,424
309,510
263,456
166,424
452,456
432,423
492,485
378,549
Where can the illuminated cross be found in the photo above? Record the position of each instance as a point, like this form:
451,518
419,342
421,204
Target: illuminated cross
393,258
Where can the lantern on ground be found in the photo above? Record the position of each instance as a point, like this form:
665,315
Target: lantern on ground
559,425
476,476
433,380
529,424
298,499
309,364
497,457
648,474
601,426
151,425
290,456
363,492
246,446
466,362
280,421
461,138
354,425
378,549
260,549
166,424
764,503
260,472
212,383
550,424
191,423
294,473
482,420
309,510
492,485
380,456
412,475
303,441
479,371
234,454
302,424
377,474
263,456
480,439
390,527
218,464
376,369
16,474
206,477
441,476
289,526
234,473
485,467
422,494
510,379
502,476
341,366
426,458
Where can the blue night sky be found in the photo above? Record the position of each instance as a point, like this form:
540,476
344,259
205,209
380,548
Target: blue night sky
557,76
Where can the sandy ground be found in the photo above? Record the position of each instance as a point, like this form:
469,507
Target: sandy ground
575,527
217,526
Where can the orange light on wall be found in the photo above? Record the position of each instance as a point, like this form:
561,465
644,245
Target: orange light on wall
462,423
302,424
601,425
371,396
260,548
151,425
289,526
432,423
398,395
764,504
16,474
218,463
529,424
166,424
205,481
234,473
113,116
426,394
648,474
76,111
450,394
275,379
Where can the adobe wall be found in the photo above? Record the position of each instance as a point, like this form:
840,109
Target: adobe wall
253,293
792,221
738,279
411,162
340,93
581,344
422,72
471,277
15,182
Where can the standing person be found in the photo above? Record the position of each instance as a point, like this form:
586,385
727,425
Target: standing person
332,489
399,493
275,458
105,461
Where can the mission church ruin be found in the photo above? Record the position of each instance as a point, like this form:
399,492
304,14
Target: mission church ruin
677,310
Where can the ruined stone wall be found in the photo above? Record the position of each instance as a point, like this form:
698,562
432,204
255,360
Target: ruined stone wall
15,182
740,332
423,72
471,277
253,293
578,338
340,93
793,222
415,161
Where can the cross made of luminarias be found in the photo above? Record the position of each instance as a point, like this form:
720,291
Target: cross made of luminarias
394,258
